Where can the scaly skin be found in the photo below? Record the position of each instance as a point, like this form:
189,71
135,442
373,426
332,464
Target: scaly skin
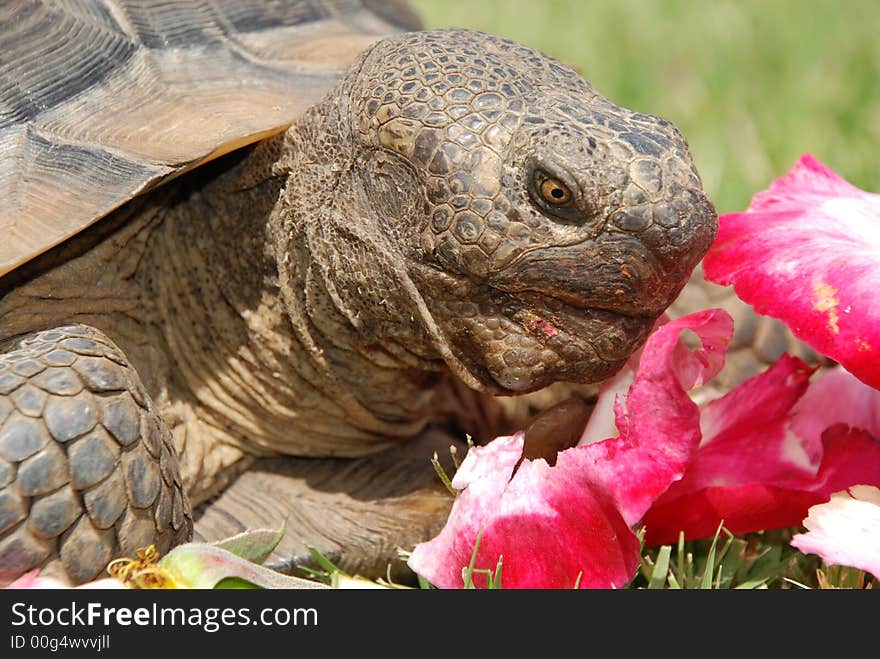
87,468
314,297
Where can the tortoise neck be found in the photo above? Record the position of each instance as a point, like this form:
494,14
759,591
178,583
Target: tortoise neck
252,320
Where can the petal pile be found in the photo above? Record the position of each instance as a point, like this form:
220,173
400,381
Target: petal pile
757,458
570,524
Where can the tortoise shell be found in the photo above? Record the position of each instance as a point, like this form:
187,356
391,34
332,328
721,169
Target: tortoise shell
101,100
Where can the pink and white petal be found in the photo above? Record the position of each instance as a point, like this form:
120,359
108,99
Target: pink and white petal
602,425
806,252
33,581
833,397
658,423
849,457
766,456
555,530
846,530
481,479
551,528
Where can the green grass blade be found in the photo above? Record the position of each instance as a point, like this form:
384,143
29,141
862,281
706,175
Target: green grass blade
441,472
467,573
661,568
495,581
679,558
323,562
706,581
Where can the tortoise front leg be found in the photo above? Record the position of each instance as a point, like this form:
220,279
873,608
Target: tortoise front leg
88,471
356,511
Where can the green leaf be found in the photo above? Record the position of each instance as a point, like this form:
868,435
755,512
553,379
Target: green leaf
751,584
679,557
254,546
235,583
200,565
326,572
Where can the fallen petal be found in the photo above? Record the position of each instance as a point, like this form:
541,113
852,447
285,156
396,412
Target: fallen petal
742,508
200,565
659,424
846,530
833,398
549,525
807,252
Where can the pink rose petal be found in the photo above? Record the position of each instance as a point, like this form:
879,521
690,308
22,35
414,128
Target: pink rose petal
846,530
571,523
807,251
745,436
555,529
835,397
851,456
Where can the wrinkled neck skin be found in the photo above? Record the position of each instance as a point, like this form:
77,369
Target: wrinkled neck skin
292,320
342,231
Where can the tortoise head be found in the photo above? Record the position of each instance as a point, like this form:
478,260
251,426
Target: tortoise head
549,227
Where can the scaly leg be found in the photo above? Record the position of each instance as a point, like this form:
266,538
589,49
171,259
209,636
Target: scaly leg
88,471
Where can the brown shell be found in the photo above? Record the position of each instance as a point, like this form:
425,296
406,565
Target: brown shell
101,100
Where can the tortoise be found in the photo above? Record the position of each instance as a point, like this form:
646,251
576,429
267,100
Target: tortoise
261,260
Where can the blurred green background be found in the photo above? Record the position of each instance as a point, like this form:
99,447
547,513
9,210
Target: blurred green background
752,84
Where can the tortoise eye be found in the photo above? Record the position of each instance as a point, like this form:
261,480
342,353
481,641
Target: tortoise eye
552,190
